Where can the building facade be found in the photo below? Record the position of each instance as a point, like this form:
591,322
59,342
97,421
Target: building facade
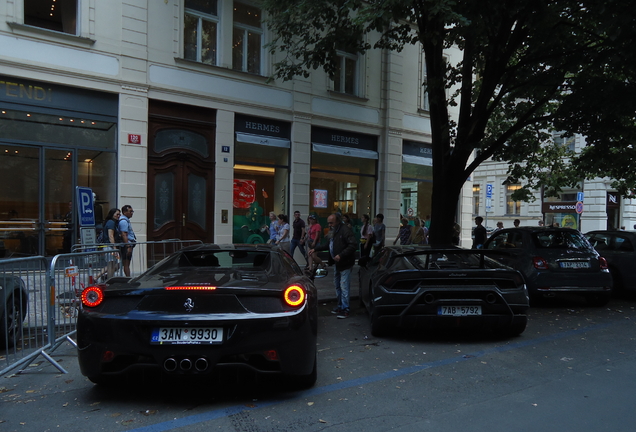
600,208
166,106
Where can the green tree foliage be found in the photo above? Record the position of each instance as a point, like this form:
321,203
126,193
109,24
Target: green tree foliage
526,68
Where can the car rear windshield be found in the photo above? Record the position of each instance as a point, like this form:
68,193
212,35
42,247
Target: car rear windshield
569,239
454,260
213,260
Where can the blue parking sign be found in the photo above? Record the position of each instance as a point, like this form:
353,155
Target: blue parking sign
85,208
489,190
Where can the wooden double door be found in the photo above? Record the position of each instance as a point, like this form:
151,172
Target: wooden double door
180,180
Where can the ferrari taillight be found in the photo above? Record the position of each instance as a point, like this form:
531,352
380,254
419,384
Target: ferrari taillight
92,296
294,295
539,263
603,263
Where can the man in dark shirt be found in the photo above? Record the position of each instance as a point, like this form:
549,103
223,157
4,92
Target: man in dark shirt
342,247
480,233
298,238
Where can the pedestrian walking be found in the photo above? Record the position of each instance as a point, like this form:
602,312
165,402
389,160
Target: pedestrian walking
480,233
418,233
342,246
366,239
298,235
314,233
127,236
282,238
404,234
272,230
455,235
379,231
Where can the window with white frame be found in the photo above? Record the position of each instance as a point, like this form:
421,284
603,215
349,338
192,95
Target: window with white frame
345,79
563,141
512,207
247,38
200,31
424,105
476,191
56,15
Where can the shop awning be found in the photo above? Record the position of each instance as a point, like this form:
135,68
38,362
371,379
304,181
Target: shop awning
262,140
417,160
344,151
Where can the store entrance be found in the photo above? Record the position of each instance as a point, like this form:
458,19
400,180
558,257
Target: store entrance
180,172
179,200
36,202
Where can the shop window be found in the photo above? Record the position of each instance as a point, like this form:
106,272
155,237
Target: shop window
512,207
56,15
247,38
260,186
417,190
343,184
345,78
200,31
476,191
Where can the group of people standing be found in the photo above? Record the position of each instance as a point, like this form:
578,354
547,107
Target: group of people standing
416,234
341,244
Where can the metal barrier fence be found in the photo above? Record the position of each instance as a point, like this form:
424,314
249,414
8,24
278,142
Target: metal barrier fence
39,299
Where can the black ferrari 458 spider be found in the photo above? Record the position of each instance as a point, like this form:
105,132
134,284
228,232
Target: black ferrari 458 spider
204,309
442,288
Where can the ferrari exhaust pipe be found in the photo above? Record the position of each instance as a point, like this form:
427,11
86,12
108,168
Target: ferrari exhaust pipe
170,364
185,364
429,298
201,364
491,298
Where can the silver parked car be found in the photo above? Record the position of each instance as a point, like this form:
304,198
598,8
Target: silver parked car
554,261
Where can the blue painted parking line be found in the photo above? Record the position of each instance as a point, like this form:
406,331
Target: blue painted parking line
226,412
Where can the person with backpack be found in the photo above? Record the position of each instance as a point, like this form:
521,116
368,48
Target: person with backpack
110,236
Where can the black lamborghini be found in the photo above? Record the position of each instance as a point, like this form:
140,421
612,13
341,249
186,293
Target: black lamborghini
442,288
207,308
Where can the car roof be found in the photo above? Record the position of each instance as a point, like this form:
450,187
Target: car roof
629,233
231,246
532,229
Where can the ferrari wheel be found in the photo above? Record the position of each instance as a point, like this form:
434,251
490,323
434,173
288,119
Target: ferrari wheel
302,382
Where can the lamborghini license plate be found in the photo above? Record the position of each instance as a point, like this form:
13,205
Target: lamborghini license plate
459,310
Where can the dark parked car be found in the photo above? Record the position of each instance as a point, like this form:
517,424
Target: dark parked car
617,247
204,309
14,299
442,288
554,261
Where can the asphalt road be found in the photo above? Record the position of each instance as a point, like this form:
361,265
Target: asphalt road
573,369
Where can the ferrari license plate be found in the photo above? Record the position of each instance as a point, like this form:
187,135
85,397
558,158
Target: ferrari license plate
186,336
459,310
